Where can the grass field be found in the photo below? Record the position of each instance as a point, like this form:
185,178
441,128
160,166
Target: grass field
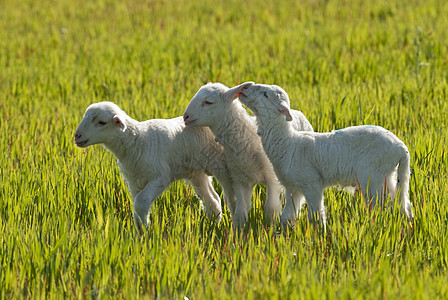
66,214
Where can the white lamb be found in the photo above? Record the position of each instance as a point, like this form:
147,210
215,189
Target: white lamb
154,153
214,106
307,162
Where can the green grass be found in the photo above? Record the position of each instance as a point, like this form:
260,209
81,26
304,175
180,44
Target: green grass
66,214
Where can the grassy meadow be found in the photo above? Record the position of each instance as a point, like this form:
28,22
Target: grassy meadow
66,215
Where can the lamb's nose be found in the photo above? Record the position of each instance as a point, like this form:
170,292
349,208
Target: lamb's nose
186,116
77,136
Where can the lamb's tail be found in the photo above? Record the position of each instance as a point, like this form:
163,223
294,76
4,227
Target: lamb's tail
404,173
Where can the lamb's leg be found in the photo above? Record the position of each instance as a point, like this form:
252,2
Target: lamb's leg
406,208
394,191
374,189
316,207
204,189
273,205
243,204
391,183
294,202
226,182
144,200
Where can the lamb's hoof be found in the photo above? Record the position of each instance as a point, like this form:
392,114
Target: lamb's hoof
288,224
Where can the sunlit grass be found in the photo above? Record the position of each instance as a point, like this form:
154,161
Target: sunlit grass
66,214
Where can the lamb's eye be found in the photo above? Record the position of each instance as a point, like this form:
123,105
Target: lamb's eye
207,102
101,123
265,94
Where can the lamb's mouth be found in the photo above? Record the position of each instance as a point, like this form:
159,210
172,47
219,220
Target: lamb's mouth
189,122
82,143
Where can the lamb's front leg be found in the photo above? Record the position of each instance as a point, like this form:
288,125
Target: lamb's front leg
273,205
316,207
243,195
144,200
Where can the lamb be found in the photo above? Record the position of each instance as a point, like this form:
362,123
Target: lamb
214,106
154,153
307,162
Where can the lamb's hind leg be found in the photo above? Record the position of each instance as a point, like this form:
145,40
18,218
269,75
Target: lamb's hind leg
226,182
203,187
243,204
394,190
374,190
391,183
273,205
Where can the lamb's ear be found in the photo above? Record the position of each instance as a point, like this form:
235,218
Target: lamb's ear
284,110
119,122
233,93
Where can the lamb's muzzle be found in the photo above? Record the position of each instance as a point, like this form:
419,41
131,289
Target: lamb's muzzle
187,119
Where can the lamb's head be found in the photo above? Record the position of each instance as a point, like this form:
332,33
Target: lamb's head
102,123
266,101
211,103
